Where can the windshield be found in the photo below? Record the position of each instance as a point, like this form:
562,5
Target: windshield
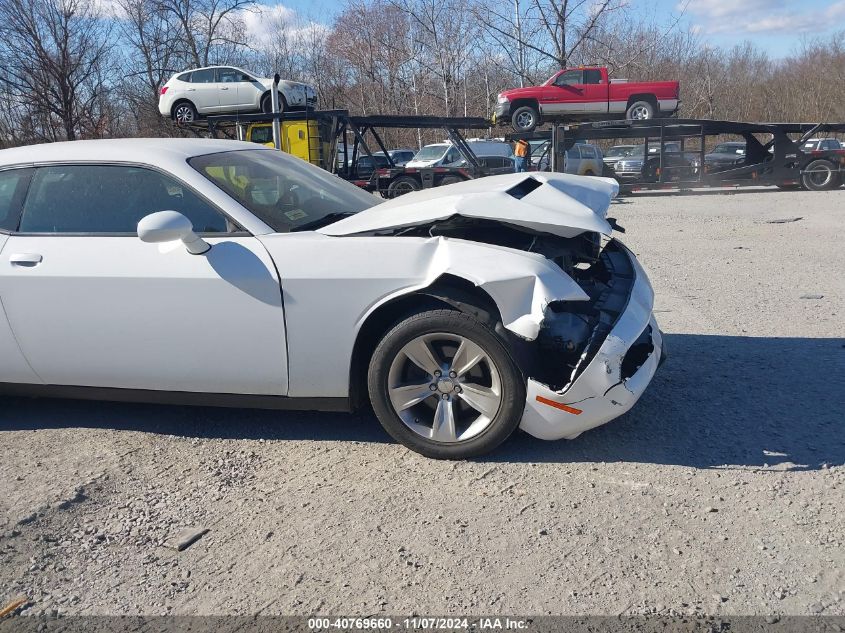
619,151
728,148
431,152
286,193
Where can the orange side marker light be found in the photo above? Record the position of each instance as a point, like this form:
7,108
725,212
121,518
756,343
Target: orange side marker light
559,405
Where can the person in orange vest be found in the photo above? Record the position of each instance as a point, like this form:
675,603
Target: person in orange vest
521,150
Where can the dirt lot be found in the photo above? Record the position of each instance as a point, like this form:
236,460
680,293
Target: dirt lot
722,492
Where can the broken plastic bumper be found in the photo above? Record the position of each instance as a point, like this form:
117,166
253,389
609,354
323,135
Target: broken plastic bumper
607,387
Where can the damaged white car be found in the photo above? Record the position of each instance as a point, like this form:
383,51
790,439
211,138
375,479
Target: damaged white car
219,273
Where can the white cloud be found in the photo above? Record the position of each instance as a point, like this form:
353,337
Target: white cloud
762,16
264,22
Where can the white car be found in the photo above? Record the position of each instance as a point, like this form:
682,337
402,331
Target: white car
440,154
221,273
221,89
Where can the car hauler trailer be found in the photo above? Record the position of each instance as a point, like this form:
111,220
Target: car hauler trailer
772,155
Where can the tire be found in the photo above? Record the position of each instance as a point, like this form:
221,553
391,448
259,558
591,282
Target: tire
267,103
184,113
820,175
525,119
402,185
435,338
640,110
449,180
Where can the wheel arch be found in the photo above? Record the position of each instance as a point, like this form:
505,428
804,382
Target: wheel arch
645,96
179,102
266,94
447,291
525,101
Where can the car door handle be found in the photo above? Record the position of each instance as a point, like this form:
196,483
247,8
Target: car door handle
224,89
25,259
191,90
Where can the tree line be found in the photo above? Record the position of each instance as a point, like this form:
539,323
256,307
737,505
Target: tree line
94,68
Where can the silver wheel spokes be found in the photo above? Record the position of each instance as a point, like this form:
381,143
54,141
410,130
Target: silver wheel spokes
525,119
639,113
184,114
444,387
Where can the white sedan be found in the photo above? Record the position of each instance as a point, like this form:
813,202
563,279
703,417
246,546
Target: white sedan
222,89
220,273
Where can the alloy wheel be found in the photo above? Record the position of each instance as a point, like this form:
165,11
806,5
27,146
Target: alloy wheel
184,114
444,387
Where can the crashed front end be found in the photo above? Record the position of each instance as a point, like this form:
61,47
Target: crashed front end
594,359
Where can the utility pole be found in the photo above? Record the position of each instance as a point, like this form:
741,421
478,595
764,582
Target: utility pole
520,54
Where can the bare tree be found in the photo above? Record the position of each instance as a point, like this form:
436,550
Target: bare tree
56,54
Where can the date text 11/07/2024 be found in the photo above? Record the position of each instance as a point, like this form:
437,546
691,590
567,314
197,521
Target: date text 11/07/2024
418,623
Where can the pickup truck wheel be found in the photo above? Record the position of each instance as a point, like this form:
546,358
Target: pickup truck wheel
820,175
525,119
401,186
640,110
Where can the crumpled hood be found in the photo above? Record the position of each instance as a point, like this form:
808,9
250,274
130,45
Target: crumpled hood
560,204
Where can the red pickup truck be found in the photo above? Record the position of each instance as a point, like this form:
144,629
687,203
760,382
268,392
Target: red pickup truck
587,92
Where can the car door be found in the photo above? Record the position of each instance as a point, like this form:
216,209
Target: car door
237,91
13,366
565,95
92,305
203,91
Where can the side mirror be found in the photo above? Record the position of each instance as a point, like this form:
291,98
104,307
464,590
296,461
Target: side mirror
169,226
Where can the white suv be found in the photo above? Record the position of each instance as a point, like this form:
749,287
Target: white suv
221,89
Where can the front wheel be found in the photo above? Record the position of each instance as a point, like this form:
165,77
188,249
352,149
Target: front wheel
525,119
267,103
443,384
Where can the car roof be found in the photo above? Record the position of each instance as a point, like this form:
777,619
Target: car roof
152,151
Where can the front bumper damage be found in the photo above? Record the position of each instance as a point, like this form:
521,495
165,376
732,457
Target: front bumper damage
617,364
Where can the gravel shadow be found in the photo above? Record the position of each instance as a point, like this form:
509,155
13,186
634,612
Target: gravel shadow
718,401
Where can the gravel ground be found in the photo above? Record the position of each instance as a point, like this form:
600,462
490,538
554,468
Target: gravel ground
720,493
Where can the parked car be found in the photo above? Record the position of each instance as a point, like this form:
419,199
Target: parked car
617,153
677,165
582,159
400,157
587,92
725,156
220,89
439,154
152,269
366,165
821,144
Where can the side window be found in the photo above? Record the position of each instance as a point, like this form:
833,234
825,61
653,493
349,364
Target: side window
592,76
13,184
452,156
186,77
203,76
570,77
231,75
261,134
109,199
587,151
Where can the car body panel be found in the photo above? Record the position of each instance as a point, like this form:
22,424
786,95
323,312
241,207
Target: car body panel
331,285
152,306
13,365
563,205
